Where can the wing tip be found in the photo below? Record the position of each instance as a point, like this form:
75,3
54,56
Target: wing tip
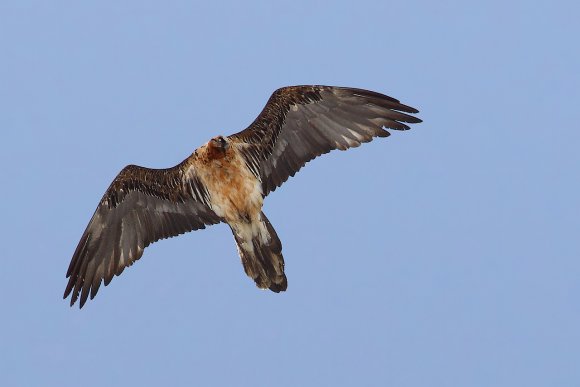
410,109
411,120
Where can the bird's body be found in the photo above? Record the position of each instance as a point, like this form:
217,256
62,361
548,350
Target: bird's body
237,197
235,191
226,180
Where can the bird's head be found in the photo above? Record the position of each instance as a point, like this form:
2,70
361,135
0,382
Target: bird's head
217,147
219,142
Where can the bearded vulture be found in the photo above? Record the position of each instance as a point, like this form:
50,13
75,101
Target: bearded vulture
226,180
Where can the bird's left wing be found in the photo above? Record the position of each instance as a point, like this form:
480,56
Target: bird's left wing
140,206
300,123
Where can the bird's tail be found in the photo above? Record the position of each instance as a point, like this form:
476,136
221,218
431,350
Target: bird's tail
261,252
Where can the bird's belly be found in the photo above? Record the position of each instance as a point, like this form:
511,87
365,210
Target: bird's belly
236,194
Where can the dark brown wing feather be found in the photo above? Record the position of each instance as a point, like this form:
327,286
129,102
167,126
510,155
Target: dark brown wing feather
300,123
140,207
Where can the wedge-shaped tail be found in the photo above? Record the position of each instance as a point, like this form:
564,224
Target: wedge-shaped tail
261,252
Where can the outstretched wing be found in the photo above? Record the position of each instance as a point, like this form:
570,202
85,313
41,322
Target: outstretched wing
300,123
140,207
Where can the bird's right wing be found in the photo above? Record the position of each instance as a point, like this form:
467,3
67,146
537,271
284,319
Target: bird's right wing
140,206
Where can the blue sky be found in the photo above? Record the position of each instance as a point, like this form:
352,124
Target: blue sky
447,255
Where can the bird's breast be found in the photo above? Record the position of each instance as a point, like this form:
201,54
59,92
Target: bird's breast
236,194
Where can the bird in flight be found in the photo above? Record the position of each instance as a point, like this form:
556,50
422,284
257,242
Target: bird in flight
226,180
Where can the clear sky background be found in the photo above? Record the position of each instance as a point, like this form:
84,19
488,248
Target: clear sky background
447,255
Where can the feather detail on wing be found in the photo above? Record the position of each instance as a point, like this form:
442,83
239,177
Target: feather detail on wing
300,123
140,207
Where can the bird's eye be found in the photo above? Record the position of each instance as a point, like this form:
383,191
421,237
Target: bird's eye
222,140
